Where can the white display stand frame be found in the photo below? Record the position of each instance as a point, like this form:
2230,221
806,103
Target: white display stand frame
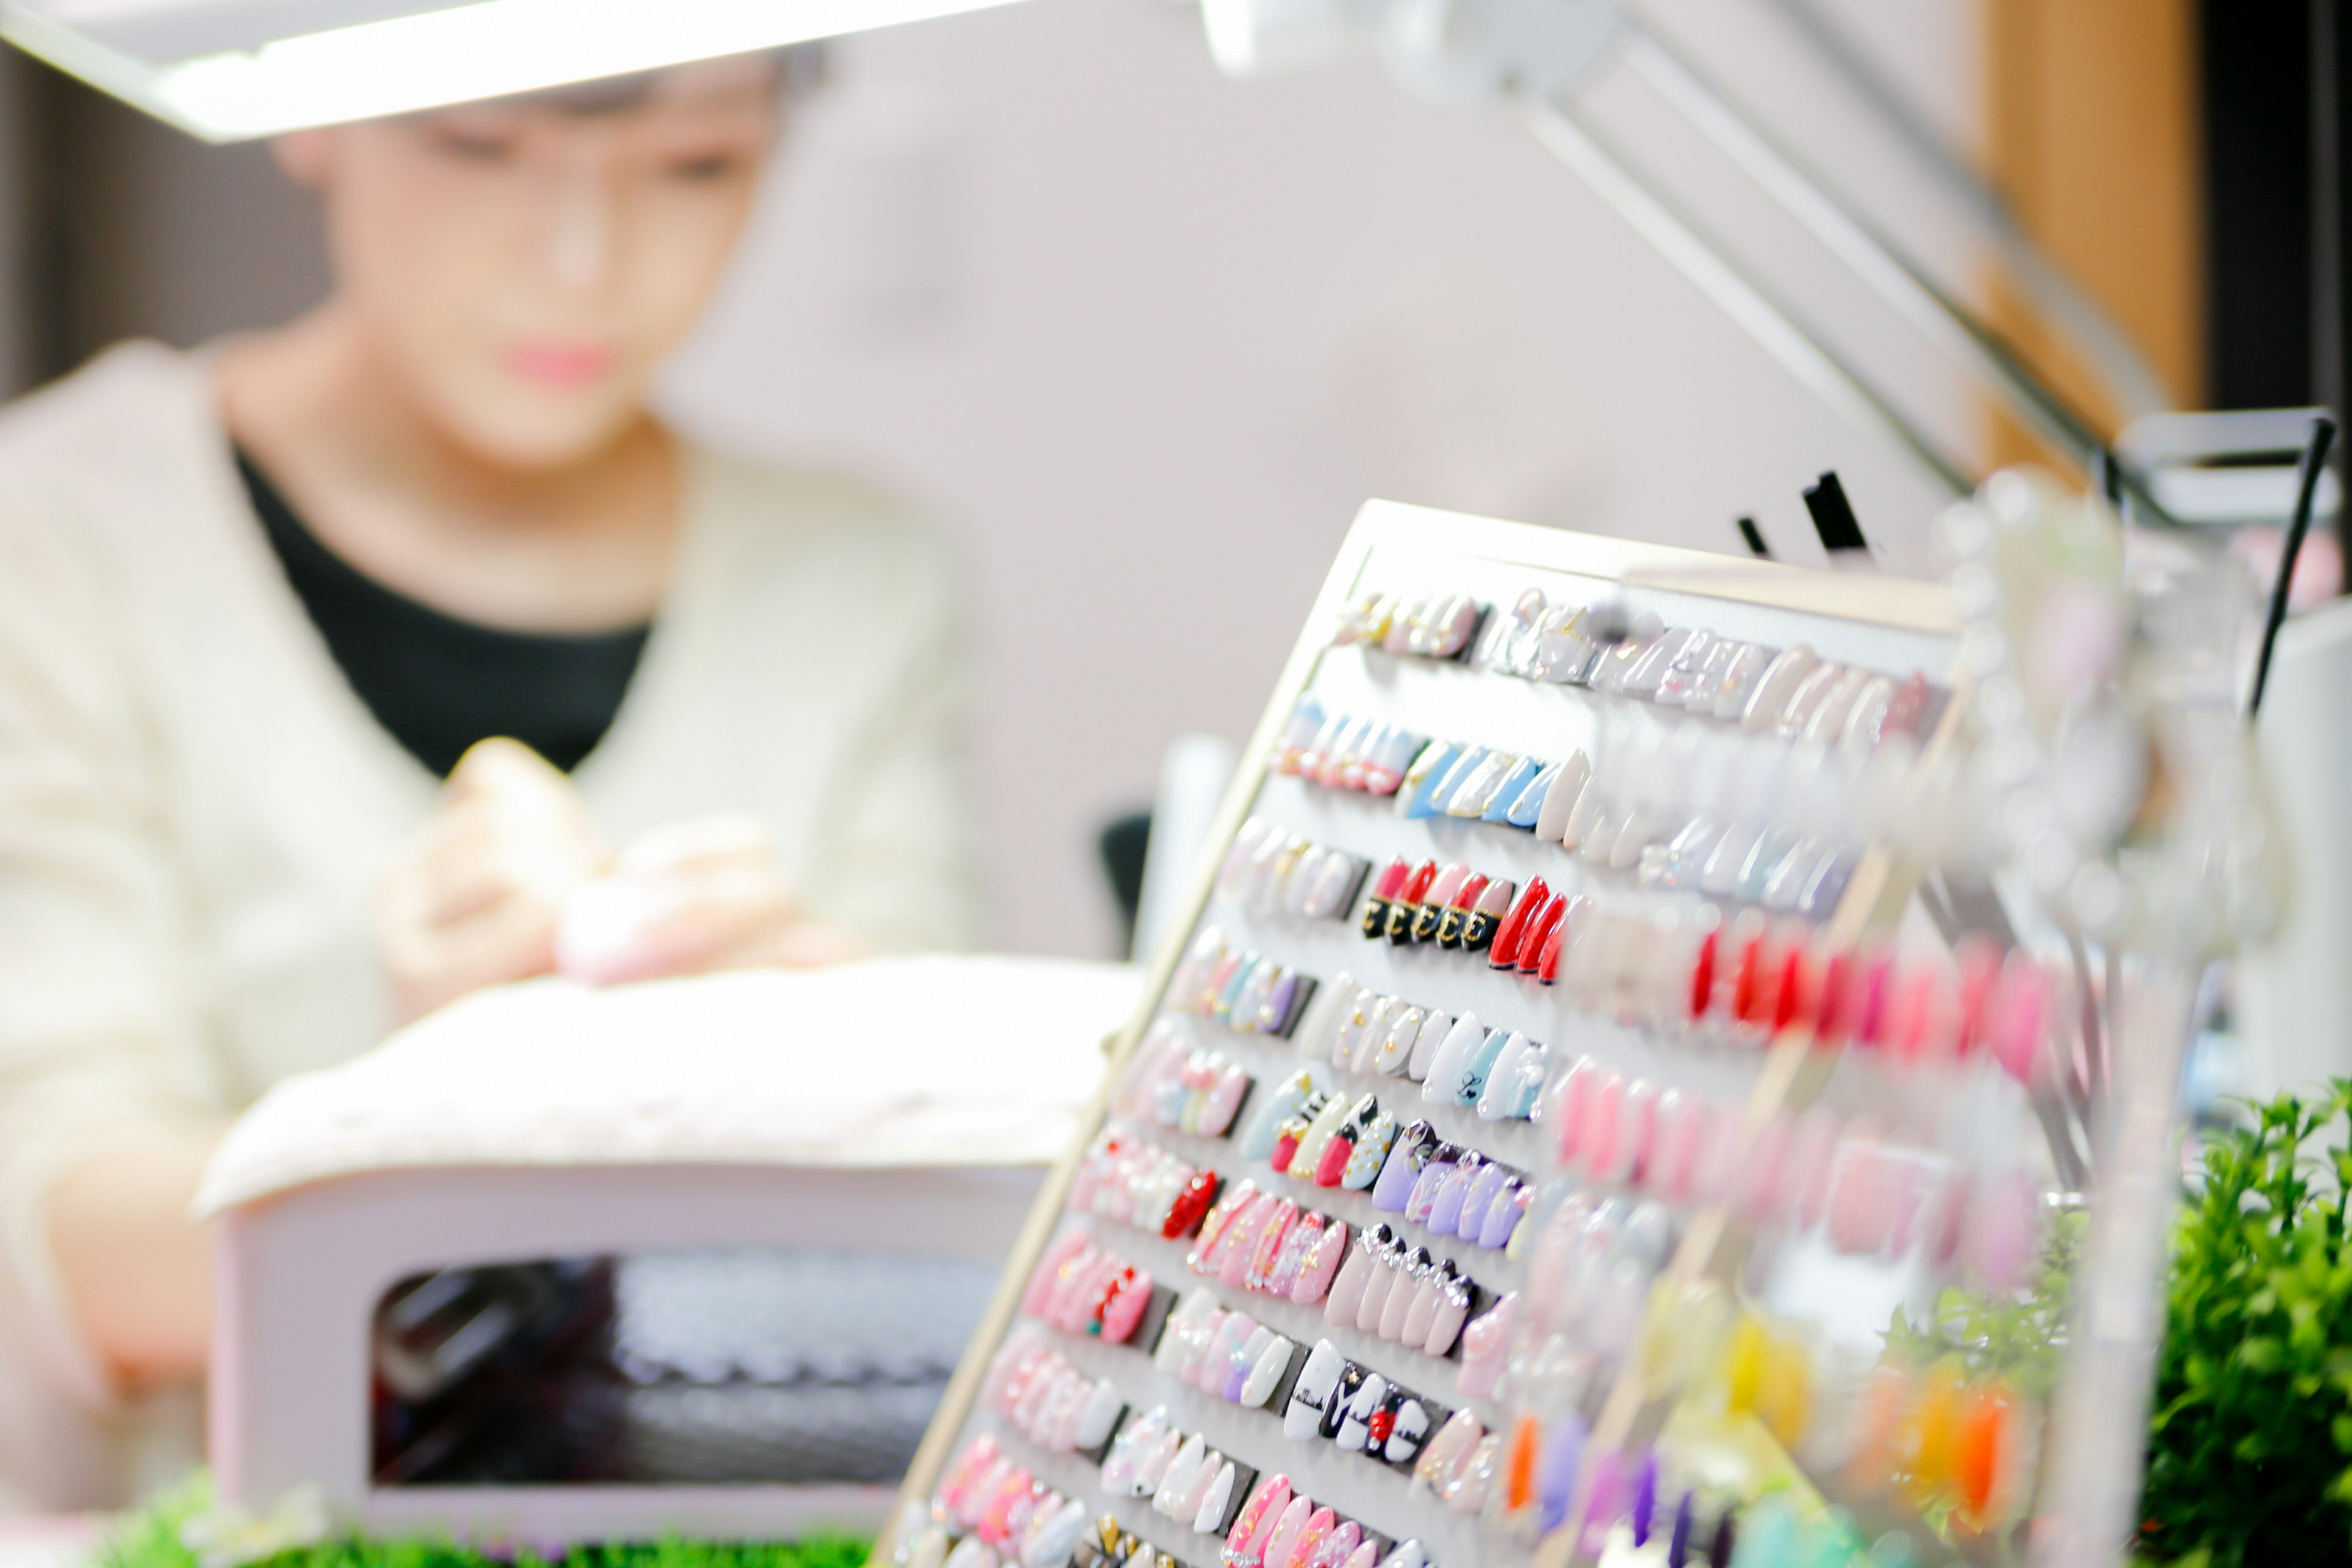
1889,624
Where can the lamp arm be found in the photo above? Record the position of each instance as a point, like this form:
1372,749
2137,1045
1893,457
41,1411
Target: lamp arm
1703,262
1879,264
2135,387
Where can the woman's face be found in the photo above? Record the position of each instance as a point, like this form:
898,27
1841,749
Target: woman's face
522,268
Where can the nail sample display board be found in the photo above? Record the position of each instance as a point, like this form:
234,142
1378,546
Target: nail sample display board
1429,1139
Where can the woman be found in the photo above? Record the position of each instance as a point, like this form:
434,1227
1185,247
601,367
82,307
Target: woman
259,604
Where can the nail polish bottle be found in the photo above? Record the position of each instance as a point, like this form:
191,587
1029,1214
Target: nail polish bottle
1321,1265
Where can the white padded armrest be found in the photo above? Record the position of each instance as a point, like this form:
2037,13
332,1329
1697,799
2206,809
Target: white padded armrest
892,1062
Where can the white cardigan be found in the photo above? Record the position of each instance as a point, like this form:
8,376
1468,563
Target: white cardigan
193,803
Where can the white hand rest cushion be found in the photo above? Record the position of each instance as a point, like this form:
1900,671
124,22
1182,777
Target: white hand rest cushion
892,1062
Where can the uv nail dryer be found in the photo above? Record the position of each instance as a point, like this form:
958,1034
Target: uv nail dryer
692,1257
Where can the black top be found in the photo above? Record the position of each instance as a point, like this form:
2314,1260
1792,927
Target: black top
438,683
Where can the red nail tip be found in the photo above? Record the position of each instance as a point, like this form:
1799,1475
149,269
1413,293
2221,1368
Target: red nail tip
1547,962
1191,1206
1751,982
1979,960
1702,987
1392,875
1505,955
1794,1002
1540,931
1834,1013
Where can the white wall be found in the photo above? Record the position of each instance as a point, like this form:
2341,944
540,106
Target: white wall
1144,339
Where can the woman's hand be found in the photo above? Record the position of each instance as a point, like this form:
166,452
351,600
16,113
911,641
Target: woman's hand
475,899
698,896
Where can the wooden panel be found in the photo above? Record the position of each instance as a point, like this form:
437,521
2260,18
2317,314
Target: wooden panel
2092,133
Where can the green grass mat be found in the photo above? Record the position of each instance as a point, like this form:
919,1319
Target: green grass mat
150,1538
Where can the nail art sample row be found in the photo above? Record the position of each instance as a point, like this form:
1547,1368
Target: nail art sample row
1457,1061
1432,625
1358,1147
1238,987
1082,1289
1793,691
1007,1514
1341,750
1269,871
1175,1084
1131,1181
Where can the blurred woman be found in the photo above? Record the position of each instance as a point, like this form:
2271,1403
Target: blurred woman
350,667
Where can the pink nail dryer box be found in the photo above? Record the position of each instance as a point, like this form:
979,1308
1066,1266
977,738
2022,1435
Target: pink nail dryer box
899,1106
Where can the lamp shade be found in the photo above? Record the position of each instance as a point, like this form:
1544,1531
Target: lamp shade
227,70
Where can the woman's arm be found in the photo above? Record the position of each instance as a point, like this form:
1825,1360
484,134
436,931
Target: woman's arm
136,1269
108,1098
